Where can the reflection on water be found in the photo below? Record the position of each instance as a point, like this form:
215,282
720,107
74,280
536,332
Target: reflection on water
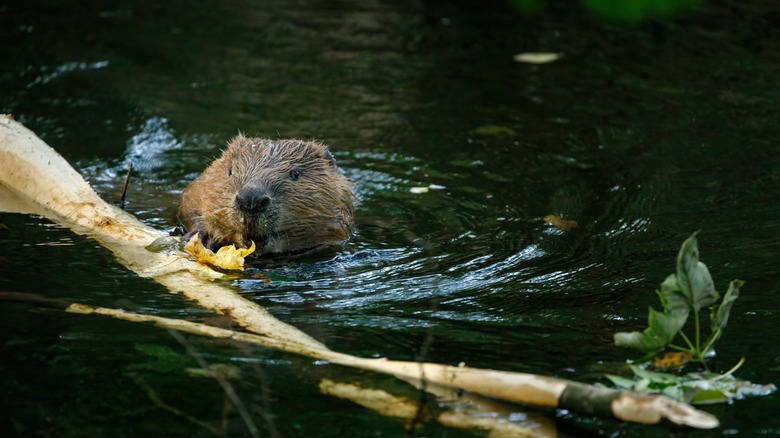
642,135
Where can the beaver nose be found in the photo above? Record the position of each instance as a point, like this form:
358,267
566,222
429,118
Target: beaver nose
252,201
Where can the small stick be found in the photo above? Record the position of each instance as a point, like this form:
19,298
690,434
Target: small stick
124,189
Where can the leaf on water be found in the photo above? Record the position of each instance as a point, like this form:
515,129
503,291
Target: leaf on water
674,391
697,388
720,317
621,382
654,376
708,397
671,359
227,257
537,57
561,224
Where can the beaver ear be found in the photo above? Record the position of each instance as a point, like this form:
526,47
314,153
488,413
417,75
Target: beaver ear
331,159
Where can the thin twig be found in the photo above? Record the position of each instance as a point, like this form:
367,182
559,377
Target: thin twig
124,189
152,394
419,416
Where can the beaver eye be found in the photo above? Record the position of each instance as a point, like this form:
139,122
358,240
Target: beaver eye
230,171
295,174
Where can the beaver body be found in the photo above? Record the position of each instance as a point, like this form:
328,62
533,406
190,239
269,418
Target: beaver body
286,196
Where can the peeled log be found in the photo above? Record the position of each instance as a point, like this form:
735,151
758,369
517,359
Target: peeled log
36,179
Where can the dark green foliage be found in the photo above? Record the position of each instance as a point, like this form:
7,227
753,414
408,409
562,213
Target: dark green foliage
619,10
636,10
687,291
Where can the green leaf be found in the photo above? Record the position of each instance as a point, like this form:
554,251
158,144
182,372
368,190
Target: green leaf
720,317
651,340
674,302
661,329
693,277
654,376
637,10
709,396
676,392
620,381
672,298
662,326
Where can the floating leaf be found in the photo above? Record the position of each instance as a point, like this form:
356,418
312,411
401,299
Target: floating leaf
698,388
709,396
654,376
561,224
621,382
537,57
671,359
227,257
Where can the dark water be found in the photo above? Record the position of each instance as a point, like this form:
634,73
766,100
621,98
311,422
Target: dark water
643,134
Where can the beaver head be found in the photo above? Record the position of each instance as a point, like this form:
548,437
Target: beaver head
283,195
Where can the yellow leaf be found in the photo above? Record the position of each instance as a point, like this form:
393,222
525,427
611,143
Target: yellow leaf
671,359
227,257
561,224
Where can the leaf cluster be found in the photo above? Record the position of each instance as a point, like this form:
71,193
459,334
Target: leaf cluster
696,388
689,290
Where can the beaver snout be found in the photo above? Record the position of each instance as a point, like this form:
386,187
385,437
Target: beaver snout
252,201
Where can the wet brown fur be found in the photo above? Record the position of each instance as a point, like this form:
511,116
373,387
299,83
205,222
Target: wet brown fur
315,210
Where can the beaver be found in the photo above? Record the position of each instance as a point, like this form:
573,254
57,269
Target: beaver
286,196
